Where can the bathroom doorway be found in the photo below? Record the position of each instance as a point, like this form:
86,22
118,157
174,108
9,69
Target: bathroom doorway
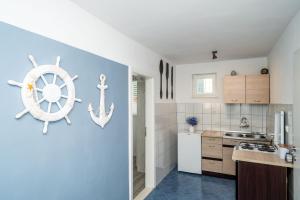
139,133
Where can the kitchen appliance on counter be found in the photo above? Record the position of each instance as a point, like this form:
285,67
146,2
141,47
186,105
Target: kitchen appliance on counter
257,136
257,147
189,152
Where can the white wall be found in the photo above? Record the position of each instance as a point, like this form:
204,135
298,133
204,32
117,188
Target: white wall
296,119
281,63
184,76
64,21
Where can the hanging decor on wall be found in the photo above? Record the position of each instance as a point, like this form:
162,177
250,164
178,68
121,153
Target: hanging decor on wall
172,92
161,70
167,81
33,96
103,117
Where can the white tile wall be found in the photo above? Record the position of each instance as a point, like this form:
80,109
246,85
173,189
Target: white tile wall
169,117
224,117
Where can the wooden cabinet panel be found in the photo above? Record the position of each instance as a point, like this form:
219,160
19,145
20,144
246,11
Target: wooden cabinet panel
211,140
212,165
228,163
258,89
234,89
232,142
258,181
212,150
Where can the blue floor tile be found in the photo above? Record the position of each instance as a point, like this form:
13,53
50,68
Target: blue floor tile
185,186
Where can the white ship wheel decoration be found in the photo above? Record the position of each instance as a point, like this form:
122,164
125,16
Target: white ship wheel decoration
51,93
103,117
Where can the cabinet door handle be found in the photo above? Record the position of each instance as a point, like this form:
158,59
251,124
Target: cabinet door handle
257,100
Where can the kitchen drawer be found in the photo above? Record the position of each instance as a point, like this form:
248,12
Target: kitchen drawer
228,163
211,150
212,165
232,142
211,140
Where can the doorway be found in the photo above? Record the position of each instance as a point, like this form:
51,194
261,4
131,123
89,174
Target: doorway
139,133
142,136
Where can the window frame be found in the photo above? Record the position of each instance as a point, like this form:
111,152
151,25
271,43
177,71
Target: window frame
196,77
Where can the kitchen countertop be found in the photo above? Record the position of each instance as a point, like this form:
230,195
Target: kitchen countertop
260,158
218,134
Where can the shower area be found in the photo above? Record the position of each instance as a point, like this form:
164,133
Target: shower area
139,133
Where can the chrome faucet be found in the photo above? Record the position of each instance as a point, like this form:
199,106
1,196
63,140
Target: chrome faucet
244,122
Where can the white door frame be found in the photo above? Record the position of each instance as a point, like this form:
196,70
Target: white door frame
150,178
150,134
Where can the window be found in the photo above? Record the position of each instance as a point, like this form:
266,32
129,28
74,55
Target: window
134,97
204,85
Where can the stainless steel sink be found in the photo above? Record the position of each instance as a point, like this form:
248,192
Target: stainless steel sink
245,135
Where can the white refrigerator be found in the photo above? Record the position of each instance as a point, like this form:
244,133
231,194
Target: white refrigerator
189,152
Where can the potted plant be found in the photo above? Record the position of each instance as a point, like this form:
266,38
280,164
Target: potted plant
192,121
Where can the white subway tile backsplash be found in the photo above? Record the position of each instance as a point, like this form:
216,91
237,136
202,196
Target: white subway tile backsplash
235,109
235,120
199,127
225,109
206,118
198,108
215,108
246,109
216,119
226,117
265,110
215,127
207,108
257,109
189,108
235,128
180,118
257,121
181,107
206,127
169,120
257,129
225,128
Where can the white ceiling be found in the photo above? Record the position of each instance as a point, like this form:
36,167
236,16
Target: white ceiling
186,31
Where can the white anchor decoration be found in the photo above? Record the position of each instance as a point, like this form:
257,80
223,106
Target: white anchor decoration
103,117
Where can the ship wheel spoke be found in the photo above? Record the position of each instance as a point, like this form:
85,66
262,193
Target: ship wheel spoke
20,114
44,79
66,97
49,107
39,89
45,129
66,117
54,79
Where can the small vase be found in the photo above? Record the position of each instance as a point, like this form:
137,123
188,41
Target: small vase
192,129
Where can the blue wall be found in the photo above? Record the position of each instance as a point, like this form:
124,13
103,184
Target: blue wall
80,161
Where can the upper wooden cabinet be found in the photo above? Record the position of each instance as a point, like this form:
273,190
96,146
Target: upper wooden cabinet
234,89
258,89
251,89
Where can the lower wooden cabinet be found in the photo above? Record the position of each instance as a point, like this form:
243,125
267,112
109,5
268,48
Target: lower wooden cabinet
212,165
258,181
212,150
228,163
